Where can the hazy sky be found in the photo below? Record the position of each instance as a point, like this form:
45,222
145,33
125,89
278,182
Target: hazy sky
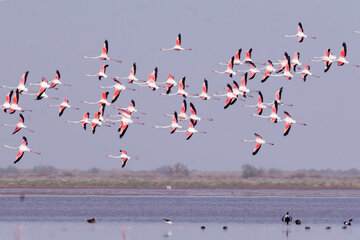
42,36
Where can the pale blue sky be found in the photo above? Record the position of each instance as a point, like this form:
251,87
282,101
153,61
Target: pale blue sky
42,36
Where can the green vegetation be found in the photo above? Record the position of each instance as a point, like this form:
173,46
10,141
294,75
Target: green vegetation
179,176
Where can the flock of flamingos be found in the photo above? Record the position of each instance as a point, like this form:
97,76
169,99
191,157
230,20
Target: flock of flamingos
286,68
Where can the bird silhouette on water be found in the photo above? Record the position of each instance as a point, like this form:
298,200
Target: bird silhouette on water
287,218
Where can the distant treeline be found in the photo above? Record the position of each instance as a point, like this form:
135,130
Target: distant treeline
181,170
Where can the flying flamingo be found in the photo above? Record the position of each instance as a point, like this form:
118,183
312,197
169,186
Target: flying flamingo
124,157
287,74
181,91
182,115
104,54
41,96
177,46
170,82
306,72
62,106
100,74
282,64
14,104
194,118
19,125
356,31
190,131
253,70
248,59
229,70
22,148
21,87
204,93
103,100
288,122
295,61
328,59
268,70
342,58
44,84
259,141
151,82
278,95
96,122
174,124
101,113
237,60
260,105
242,90
131,76
273,116
124,124
300,34
6,105
230,96
131,108
84,121
57,81
118,88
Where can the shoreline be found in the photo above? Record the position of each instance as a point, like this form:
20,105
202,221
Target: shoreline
178,192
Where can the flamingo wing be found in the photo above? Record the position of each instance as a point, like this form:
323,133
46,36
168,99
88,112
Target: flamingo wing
188,135
116,95
287,129
19,156
256,149
123,160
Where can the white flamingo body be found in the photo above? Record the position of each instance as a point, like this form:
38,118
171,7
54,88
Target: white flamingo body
328,59
190,131
181,91
170,82
204,93
14,104
300,34
273,116
260,105
174,124
84,121
104,54
21,87
131,77
62,106
253,70
288,122
259,142
306,72
124,157
193,117
229,70
151,82
103,100
20,125
100,74
177,46
268,70
6,105
342,58
231,97
22,149
57,81
278,96
118,88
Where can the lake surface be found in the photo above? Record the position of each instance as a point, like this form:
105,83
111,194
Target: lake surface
140,216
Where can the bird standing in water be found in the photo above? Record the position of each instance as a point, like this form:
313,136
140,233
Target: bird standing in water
287,218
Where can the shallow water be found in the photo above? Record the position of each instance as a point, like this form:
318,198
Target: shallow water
139,217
